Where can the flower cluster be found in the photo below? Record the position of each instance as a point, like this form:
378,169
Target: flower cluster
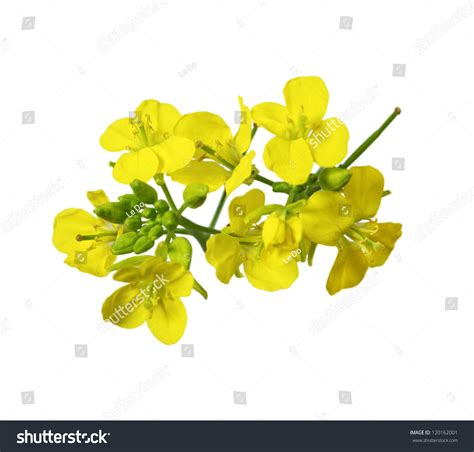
325,200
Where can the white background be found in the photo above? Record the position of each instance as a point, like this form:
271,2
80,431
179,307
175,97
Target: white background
391,342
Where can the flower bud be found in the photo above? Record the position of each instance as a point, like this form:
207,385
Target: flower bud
170,220
149,213
143,244
144,192
124,244
181,251
194,195
129,201
134,222
113,212
161,206
155,232
281,187
333,178
146,229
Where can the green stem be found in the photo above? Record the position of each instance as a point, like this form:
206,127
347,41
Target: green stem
219,208
187,223
200,237
291,196
361,149
254,131
183,207
264,180
167,193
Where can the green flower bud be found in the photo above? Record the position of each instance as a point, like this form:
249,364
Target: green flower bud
146,229
281,187
134,222
170,220
149,213
113,212
129,201
333,178
194,195
162,250
161,206
144,192
155,232
143,244
124,244
181,251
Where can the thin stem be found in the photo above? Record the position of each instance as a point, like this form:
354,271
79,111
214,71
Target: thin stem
254,131
264,180
187,223
200,237
167,193
219,208
183,207
291,196
361,149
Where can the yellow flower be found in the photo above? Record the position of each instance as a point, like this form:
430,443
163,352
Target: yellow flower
212,131
152,295
263,251
345,219
301,134
148,138
89,255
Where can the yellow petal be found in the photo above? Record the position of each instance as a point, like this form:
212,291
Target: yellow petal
125,307
328,142
170,278
241,206
306,97
142,164
271,273
294,231
274,230
168,320
291,160
95,260
364,191
241,173
243,136
349,268
97,197
386,236
120,136
271,116
326,217
224,254
159,119
206,127
71,222
174,153
202,172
